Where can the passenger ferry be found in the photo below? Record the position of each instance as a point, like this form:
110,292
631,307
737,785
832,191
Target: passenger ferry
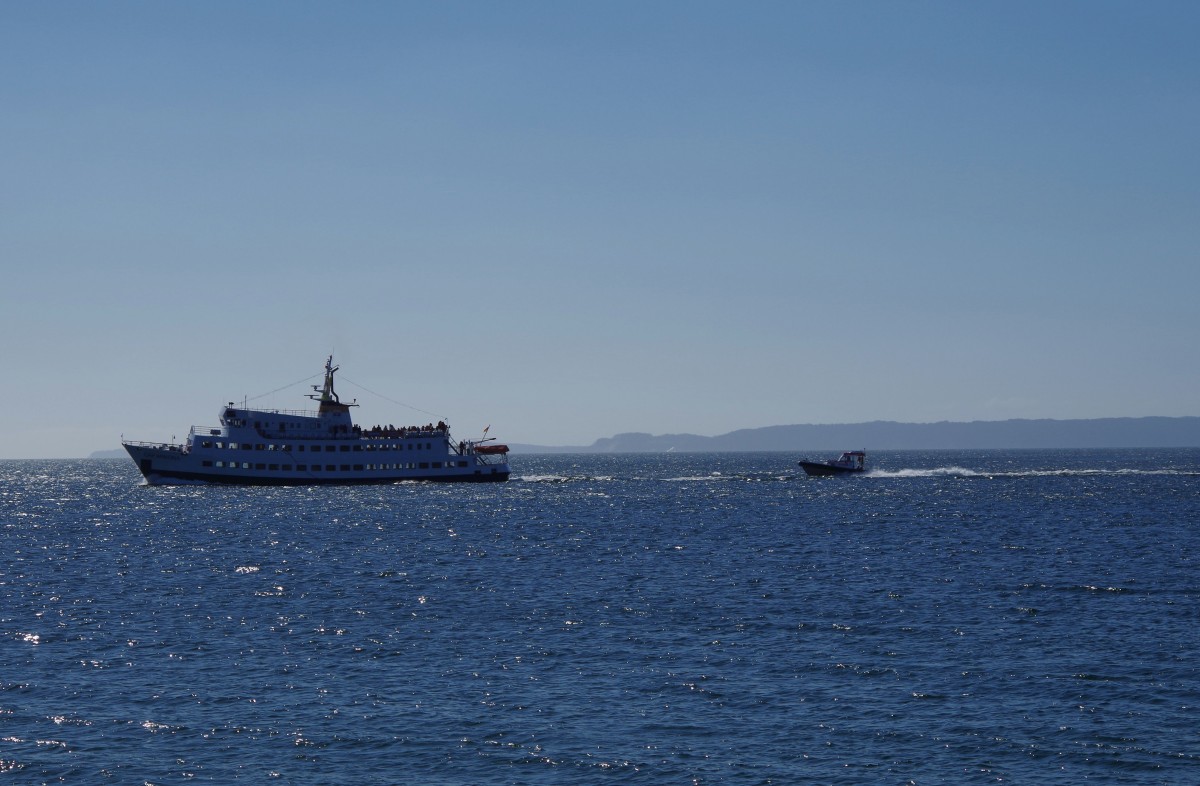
302,448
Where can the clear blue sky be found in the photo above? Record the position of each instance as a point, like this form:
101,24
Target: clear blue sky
568,220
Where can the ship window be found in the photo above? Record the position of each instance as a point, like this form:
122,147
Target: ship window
300,448
345,468
330,467
217,464
302,468
330,448
424,465
233,446
345,448
260,447
206,444
358,467
247,447
437,465
287,467
357,448
245,465
316,467
260,466
272,466
462,463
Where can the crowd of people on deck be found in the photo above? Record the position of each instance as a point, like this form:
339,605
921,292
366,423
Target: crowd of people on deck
392,432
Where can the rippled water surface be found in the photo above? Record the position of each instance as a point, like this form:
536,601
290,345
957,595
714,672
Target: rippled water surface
952,617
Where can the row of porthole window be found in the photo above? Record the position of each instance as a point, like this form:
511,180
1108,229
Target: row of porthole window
330,467
313,448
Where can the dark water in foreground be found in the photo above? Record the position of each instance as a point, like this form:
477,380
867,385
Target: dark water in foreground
984,617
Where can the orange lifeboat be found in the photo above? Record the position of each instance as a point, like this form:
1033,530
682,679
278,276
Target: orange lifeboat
491,450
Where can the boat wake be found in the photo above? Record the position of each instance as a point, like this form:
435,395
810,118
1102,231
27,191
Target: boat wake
559,478
936,472
963,472
163,481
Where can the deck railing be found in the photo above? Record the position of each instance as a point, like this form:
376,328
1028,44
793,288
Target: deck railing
164,445
303,413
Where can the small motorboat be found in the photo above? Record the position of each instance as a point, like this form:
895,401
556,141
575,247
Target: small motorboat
849,462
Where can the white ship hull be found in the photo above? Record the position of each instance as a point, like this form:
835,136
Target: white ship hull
170,464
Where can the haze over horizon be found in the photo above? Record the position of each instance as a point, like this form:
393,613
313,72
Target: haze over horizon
568,221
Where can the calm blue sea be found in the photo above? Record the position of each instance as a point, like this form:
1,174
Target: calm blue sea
953,617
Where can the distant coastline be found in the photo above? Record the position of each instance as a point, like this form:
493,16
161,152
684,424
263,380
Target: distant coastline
1145,432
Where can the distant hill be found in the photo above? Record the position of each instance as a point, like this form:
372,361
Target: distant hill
1150,432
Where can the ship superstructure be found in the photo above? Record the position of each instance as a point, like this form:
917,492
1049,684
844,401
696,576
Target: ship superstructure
290,447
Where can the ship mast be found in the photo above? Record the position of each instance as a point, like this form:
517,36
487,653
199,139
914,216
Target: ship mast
328,398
